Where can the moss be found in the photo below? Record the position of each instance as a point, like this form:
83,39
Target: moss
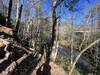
76,72
61,60
66,67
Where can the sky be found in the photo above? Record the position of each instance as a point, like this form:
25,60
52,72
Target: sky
78,16
85,7
46,5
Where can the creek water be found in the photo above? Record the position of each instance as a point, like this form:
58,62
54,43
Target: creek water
82,63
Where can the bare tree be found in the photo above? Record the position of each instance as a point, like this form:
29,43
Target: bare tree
19,18
9,13
54,21
79,55
17,11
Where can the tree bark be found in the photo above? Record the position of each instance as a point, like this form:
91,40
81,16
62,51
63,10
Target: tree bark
3,42
54,20
13,65
9,13
17,11
19,18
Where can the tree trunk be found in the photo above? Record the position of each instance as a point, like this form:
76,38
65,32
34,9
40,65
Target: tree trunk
54,20
17,11
19,18
9,13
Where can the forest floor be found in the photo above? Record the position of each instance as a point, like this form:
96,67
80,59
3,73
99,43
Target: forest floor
18,60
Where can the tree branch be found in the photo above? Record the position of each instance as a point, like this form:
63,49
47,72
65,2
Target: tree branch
79,55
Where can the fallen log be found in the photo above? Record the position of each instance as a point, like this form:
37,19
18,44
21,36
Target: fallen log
5,58
6,30
13,65
3,42
10,32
